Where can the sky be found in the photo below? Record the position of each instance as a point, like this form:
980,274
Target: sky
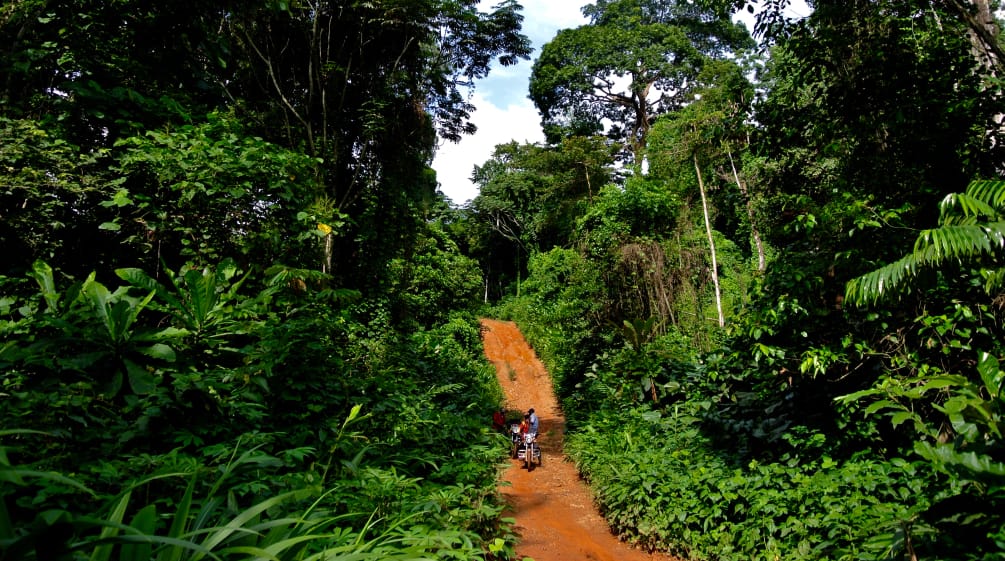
504,111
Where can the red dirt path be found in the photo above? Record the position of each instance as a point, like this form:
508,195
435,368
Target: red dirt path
554,510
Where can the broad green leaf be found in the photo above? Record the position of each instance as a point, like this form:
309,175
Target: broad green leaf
899,417
991,373
353,413
97,296
145,524
858,395
944,381
945,455
140,380
139,278
201,287
114,386
42,273
652,416
880,405
160,351
166,334
121,198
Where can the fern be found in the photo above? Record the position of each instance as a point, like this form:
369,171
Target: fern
971,225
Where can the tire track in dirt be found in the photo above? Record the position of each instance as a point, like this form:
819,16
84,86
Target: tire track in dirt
554,511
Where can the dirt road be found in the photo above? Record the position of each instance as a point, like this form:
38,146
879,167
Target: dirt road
554,511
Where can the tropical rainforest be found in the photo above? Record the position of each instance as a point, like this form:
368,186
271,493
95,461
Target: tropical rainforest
238,319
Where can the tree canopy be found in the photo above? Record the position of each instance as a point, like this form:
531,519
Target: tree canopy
632,62
236,317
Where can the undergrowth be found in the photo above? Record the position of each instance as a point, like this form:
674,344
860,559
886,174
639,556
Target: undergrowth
662,485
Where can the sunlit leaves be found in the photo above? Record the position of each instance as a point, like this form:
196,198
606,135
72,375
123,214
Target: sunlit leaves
209,191
624,69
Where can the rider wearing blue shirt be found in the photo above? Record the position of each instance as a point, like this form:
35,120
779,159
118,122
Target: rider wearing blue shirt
533,421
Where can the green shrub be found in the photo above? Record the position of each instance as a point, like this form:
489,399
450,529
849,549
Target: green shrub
662,485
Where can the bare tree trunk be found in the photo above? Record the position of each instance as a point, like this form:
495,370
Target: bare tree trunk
711,244
326,265
589,187
980,21
761,261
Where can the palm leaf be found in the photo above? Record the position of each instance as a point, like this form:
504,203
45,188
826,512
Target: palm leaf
961,236
963,208
989,191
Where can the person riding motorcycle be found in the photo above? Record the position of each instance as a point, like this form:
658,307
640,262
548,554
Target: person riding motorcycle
525,424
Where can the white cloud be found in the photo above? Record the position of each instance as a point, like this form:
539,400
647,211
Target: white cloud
496,125
543,18
504,112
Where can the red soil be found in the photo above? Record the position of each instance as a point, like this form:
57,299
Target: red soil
554,510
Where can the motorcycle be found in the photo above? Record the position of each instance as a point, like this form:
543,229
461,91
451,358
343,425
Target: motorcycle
529,451
515,440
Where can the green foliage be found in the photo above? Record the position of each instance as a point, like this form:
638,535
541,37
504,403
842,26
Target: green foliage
205,192
394,481
136,410
205,522
435,277
531,199
642,208
209,158
953,402
577,83
662,485
45,184
559,310
971,226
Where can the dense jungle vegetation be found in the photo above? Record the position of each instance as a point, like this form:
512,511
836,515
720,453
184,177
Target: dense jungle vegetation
238,320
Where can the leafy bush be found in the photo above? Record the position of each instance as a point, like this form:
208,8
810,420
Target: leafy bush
384,451
206,521
663,485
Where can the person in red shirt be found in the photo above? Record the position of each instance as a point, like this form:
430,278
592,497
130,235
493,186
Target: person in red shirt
499,419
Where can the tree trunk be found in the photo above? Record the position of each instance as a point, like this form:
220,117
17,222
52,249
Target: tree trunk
711,244
761,261
980,21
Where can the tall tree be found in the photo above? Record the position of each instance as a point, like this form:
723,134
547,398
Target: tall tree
893,87
873,109
633,61
365,86
719,118
108,69
362,87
